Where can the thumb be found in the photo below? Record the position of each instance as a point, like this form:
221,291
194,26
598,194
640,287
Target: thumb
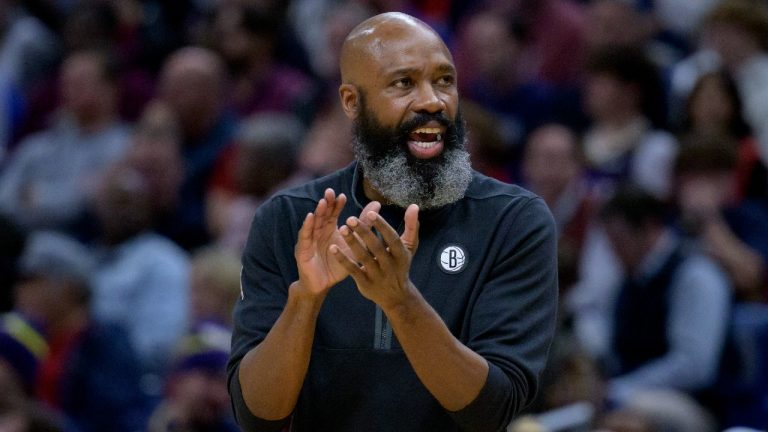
410,237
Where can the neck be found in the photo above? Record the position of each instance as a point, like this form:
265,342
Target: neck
95,123
71,323
618,119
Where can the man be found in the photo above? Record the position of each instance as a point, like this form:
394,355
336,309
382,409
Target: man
671,313
445,322
90,372
49,178
193,84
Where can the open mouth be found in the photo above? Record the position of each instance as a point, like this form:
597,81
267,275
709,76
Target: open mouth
426,142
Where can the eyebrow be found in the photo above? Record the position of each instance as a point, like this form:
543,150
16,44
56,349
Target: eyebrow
443,68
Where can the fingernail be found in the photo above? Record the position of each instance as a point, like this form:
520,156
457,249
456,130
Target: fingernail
371,215
352,222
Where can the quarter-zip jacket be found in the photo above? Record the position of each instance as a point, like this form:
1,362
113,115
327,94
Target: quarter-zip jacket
487,264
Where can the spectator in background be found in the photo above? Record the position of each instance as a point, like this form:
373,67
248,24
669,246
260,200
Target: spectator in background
48,179
90,373
263,160
554,35
196,397
193,83
737,31
714,109
327,145
141,280
156,153
630,24
94,25
28,416
22,348
488,151
659,410
553,169
625,100
246,37
27,50
732,232
214,286
490,57
671,313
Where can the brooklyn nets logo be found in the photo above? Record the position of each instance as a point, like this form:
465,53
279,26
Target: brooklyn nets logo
452,259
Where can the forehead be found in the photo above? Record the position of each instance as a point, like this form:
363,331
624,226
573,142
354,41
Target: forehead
396,48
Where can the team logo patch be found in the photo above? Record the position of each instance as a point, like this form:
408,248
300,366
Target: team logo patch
452,259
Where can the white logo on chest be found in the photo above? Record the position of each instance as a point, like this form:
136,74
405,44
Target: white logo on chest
452,259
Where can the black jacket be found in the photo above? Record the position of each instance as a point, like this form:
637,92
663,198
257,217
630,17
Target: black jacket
486,264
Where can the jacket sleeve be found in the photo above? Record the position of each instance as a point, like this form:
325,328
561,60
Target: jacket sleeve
267,271
513,319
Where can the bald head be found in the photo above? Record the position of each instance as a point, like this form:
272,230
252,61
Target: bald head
192,83
370,42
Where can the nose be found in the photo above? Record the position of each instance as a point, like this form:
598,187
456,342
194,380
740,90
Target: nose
427,99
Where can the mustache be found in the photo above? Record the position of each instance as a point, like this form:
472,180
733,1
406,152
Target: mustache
423,118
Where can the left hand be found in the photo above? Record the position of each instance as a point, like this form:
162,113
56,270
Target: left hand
380,266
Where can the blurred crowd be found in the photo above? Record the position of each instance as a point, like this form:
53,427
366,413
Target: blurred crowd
137,137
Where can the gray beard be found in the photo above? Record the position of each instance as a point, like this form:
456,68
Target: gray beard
396,179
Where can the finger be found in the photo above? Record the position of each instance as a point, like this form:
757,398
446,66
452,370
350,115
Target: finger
330,198
410,235
358,272
373,206
329,195
339,204
363,229
322,208
389,237
305,233
320,218
348,236
358,251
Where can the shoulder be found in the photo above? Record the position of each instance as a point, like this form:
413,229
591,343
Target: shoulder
311,191
700,272
483,187
159,249
659,140
489,194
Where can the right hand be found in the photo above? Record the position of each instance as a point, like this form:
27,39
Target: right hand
318,270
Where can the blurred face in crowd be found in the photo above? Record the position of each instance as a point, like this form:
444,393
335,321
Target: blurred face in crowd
238,46
614,22
550,162
490,47
191,83
704,194
710,107
400,90
608,97
123,205
214,286
201,397
156,153
85,89
630,243
43,299
732,43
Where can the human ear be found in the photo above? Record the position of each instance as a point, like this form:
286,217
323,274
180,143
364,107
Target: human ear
349,100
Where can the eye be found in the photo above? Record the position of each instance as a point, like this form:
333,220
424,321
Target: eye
446,80
404,82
